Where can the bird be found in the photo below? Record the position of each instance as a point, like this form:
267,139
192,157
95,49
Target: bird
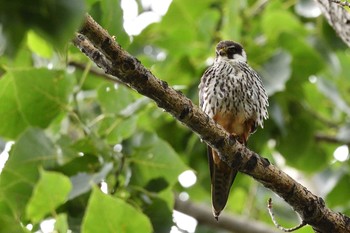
233,95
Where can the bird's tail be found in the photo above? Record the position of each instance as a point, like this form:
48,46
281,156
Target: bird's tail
222,177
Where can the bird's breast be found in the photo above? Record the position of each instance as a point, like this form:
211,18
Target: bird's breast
229,94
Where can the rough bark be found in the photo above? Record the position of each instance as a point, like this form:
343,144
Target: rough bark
102,49
337,17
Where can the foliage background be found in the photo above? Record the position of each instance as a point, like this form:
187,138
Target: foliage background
74,132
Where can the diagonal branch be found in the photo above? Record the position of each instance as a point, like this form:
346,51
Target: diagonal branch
337,17
101,48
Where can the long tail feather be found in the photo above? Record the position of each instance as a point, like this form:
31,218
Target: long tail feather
222,177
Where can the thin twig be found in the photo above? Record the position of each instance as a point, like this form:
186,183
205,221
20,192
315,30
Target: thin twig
341,3
94,71
330,139
272,215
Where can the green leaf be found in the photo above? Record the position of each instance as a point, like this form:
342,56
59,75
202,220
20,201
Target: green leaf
82,182
20,174
112,20
155,165
300,150
16,18
38,45
87,163
114,98
91,145
24,58
231,11
306,61
316,100
107,214
276,72
116,129
109,15
238,198
51,191
32,97
9,221
275,22
331,91
340,193
159,210
177,39
61,224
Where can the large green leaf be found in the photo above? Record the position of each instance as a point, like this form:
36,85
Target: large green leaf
112,20
178,38
231,19
109,14
159,210
191,25
116,129
306,60
297,145
61,224
330,90
114,98
9,221
38,45
107,214
51,191
83,182
21,172
277,21
340,193
54,20
31,97
276,72
314,99
155,165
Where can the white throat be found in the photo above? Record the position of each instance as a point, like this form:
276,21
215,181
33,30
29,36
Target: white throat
236,59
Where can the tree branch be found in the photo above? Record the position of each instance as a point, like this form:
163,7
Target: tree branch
337,17
94,71
101,48
331,139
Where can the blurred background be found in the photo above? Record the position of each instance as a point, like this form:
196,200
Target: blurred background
67,132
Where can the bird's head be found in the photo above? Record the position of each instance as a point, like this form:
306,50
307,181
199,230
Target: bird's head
230,50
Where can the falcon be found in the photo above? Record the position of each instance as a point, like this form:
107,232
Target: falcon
231,93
